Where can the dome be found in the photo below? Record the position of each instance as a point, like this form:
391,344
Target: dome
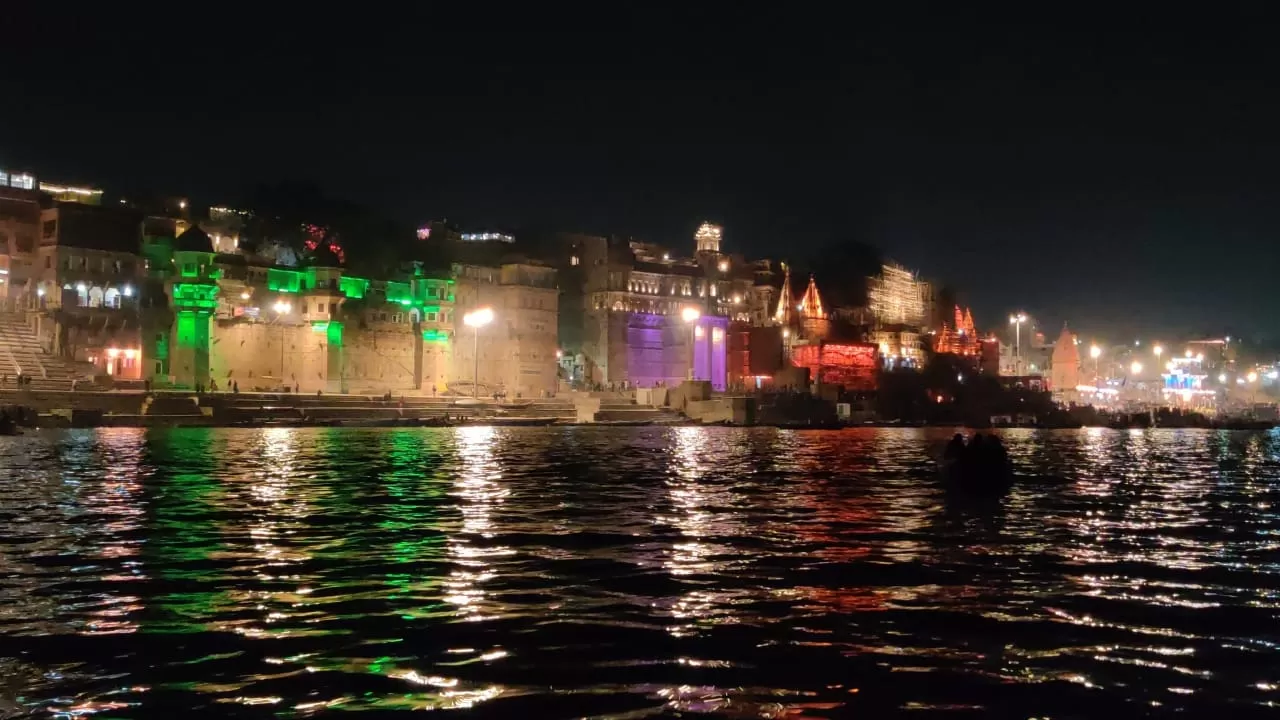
193,240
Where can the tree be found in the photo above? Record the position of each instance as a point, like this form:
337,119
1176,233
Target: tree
299,219
841,268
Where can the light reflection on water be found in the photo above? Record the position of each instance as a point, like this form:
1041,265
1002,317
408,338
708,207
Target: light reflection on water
584,572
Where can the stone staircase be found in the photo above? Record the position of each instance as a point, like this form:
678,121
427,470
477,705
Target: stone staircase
249,407
620,412
20,352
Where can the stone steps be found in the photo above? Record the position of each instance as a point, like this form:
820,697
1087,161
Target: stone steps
20,352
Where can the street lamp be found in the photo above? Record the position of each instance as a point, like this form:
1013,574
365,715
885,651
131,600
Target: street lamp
1095,352
690,315
477,319
1135,368
1016,321
282,308
786,341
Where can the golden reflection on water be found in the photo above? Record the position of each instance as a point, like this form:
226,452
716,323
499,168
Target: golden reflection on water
702,514
479,490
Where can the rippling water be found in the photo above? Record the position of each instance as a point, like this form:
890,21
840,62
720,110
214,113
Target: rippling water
628,573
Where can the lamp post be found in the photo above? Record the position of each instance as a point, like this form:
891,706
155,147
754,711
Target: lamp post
1159,350
477,319
282,308
1016,321
690,315
1095,352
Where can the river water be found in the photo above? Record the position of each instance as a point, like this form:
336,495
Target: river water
634,573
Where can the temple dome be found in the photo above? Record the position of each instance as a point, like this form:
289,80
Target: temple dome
193,240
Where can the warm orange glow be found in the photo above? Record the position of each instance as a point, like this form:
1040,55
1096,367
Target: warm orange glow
811,305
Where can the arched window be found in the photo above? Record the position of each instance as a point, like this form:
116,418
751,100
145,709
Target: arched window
95,296
111,298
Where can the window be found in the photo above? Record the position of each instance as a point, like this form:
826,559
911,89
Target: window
573,260
50,228
48,262
395,318
431,317
333,308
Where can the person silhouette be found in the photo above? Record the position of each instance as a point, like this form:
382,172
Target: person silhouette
996,448
955,448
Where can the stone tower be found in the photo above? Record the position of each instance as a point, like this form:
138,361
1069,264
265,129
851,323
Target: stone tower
193,294
708,238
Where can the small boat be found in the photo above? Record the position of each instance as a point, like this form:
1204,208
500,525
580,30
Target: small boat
978,477
8,426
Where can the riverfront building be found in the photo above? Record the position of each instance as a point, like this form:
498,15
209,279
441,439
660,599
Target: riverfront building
141,292
642,314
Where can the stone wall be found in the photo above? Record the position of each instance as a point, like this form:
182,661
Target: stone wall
264,355
377,360
371,360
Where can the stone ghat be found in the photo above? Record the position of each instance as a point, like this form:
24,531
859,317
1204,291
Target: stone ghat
137,409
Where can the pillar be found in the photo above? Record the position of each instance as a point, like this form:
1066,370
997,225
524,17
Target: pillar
189,351
335,359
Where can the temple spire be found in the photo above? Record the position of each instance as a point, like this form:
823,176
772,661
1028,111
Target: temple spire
811,305
785,303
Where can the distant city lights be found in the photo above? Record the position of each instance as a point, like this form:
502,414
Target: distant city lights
486,237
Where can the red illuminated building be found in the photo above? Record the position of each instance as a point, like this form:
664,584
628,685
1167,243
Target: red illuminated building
852,366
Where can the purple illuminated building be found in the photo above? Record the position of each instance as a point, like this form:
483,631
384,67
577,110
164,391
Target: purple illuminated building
622,307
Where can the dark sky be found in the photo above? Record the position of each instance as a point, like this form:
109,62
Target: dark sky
1116,172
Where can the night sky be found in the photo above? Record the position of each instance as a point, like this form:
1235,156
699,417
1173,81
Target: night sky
1113,172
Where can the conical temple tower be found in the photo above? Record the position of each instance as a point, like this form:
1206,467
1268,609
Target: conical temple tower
785,303
813,319
811,304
